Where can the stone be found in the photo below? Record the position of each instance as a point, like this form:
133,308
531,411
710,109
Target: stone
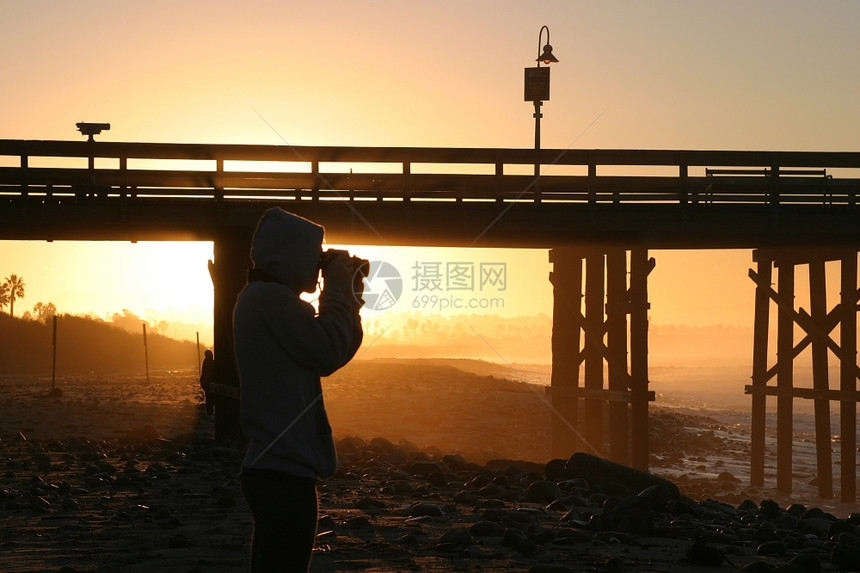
848,538
846,557
748,506
788,568
426,509
772,548
455,462
490,490
359,522
815,525
612,521
769,508
597,470
366,503
554,469
403,487
796,509
757,567
814,513
571,537
466,497
423,468
543,491
456,537
325,522
550,568
407,539
486,529
543,536
69,503
615,538
438,479
618,488
808,562
380,444
701,553
506,516
556,505
653,497
523,545
38,504
838,527
350,444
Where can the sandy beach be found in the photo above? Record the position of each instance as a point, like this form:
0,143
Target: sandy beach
443,467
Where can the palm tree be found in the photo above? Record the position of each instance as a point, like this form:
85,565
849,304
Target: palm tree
4,295
15,285
44,311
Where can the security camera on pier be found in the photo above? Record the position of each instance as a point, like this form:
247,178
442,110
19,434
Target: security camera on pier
91,129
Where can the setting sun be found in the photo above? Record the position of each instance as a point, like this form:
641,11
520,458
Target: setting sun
156,281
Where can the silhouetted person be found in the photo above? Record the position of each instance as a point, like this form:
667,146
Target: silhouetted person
283,346
207,377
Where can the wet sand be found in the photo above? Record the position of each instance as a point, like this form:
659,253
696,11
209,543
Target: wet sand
441,470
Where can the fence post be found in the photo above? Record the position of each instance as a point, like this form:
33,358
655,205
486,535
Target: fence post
146,353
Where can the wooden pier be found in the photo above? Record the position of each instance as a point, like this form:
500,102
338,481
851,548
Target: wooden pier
598,211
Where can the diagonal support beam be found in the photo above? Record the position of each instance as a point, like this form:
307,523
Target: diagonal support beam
803,319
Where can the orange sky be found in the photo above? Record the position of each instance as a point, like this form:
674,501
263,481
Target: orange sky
721,74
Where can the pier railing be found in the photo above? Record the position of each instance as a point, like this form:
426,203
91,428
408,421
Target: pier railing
58,171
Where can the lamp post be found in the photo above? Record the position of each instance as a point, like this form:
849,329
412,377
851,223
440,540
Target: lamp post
537,87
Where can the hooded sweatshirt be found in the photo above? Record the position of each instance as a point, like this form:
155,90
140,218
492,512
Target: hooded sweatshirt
283,346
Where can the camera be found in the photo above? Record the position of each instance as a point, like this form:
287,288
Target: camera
358,266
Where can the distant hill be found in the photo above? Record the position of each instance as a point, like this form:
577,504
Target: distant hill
90,345
86,346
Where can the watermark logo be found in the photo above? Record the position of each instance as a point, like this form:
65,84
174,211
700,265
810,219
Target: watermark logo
435,276
383,286
458,285
438,285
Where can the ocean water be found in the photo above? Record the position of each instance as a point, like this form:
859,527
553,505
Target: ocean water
718,393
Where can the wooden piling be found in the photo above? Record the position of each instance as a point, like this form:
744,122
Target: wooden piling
617,304
784,375
593,349
816,324
578,411
566,279
848,372
820,376
640,268
228,271
759,367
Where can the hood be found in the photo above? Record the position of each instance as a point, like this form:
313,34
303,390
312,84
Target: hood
288,247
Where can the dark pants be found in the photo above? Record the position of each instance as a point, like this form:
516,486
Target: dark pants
284,509
209,400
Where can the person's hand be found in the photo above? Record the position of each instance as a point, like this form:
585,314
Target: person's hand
336,264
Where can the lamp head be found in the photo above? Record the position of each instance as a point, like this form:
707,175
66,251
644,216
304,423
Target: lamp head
547,57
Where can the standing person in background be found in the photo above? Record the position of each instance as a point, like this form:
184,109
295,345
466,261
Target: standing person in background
283,346
207,377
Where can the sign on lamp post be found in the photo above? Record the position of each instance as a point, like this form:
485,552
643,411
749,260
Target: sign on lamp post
537,89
